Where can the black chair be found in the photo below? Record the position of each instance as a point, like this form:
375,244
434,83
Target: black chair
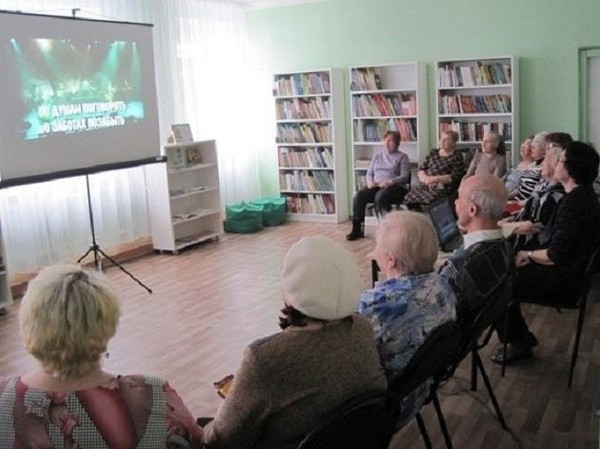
430,362
367,420
478,336
579,303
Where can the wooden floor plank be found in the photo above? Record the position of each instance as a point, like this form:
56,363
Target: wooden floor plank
210,301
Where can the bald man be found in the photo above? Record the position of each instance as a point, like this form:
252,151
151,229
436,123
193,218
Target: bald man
484,263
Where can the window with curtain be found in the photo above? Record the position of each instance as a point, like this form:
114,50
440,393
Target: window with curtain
205,77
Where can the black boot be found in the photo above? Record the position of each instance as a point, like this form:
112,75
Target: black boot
357,231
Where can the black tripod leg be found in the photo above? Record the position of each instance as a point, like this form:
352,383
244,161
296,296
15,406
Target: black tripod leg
122,268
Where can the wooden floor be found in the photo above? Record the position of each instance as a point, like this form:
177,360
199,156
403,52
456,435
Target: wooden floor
210,301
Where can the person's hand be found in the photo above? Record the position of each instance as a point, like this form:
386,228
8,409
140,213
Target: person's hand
423,177
385,184
522,259
371,185
526,228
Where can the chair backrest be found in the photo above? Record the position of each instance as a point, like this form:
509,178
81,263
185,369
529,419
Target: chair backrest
495,307
366,420
431,360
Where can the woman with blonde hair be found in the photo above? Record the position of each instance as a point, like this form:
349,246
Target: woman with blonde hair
67,318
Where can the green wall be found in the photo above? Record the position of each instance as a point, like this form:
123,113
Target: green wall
544,34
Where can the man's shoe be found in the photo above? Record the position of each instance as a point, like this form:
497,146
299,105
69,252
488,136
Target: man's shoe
355,235
515,354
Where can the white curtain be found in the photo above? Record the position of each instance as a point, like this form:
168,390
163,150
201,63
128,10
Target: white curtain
204,77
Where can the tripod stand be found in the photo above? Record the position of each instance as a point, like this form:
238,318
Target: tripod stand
96,250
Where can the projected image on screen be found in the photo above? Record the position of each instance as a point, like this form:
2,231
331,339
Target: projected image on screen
74,87
76,96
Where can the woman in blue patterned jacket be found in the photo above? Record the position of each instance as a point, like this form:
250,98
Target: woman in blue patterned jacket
412,300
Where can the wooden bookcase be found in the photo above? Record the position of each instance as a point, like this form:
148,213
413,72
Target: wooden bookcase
475,95
383,98
183,196
311,144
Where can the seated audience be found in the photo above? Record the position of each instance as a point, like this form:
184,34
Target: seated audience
412,300
290,381
513,177
528,224
491,159
532,174
387,177
439,175
554,273
486,261
67,317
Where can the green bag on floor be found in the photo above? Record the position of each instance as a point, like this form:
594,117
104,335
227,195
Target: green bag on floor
243,218
273,210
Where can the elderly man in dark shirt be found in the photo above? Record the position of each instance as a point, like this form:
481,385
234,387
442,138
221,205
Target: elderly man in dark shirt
554,274
479,269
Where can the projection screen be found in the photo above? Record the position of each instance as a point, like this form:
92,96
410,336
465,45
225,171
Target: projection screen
77,96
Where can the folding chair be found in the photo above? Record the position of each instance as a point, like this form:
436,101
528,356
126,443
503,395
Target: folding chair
579,303
430,363
366,420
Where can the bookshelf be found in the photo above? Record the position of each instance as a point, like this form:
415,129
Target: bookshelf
476,95
5,294
383,98
183,196
309,109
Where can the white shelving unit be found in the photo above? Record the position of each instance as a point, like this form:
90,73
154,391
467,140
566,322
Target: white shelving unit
5,294
474,95
383,98
183,196
311,144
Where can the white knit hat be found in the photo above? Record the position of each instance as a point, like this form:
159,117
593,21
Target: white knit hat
321,279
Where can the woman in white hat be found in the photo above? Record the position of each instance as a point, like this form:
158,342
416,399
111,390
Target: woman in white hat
288,382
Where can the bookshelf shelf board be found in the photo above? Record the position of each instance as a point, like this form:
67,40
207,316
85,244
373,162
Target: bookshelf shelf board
482,86
173,171
310,192
371,117
196,215
300,167
304,120
305,144
384,91
289,97
205,190
482,114
189,241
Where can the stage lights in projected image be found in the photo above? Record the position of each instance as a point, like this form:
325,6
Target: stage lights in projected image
77,96
70,86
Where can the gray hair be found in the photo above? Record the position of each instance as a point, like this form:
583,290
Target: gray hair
489,194
410,237
541,138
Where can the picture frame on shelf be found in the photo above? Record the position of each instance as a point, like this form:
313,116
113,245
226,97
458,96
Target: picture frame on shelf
178,159
182,132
